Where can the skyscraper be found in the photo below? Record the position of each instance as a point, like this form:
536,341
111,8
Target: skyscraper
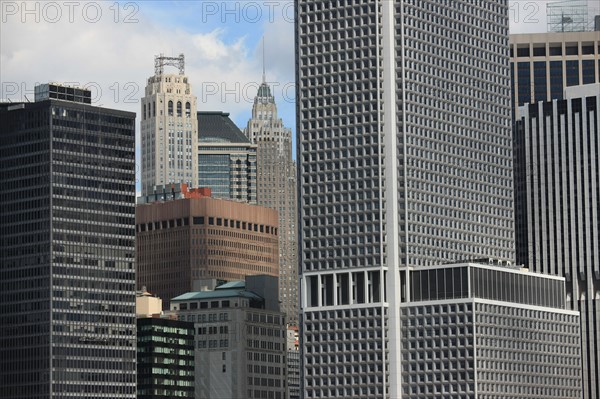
67,282
405,159
226,158
544,64
557,191
169,128
276,188
198,237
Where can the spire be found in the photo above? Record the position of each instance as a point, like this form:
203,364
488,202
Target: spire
264,75
264,92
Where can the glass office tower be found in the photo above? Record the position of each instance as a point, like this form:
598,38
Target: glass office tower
67,296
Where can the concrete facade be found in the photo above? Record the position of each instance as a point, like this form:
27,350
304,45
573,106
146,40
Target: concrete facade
480,331
544,64
184,240
405,159
147,305
240,340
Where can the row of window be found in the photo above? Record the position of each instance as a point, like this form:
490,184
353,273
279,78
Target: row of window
523,50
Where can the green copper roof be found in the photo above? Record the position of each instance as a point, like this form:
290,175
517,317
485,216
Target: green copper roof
264,93
232,284
216,294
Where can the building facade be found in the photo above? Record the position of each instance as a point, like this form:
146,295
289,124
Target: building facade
169,128
67,282
276,189
405,159
475,331
293,362
226,158
147,305
557,173
544,64
183,240
240,340
165,358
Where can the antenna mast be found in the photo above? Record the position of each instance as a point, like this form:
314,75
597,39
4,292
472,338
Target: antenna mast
264,78
160,61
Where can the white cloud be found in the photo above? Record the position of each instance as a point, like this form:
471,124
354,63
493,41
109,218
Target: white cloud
110,55
115,59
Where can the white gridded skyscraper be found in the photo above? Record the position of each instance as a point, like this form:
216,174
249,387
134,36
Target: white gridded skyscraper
169,128
405,159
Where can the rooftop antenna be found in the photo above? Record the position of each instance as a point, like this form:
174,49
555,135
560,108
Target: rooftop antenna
160,61
263,45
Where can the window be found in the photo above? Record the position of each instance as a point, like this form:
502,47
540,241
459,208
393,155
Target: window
539,51
170,108
523,52
572,70
571,50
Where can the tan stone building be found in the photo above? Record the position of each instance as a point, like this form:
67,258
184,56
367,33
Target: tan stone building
185,240
147,305
169,128
276,188
542,65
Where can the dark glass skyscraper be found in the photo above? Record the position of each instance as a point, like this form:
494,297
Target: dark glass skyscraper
165,358
557,190
67,296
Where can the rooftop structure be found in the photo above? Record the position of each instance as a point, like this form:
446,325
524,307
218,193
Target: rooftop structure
570,16
59,91
169,192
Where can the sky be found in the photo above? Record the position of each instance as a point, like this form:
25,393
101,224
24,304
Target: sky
109,47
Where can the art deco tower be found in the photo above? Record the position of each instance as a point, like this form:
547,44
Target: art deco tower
276,188
169,128
405,159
